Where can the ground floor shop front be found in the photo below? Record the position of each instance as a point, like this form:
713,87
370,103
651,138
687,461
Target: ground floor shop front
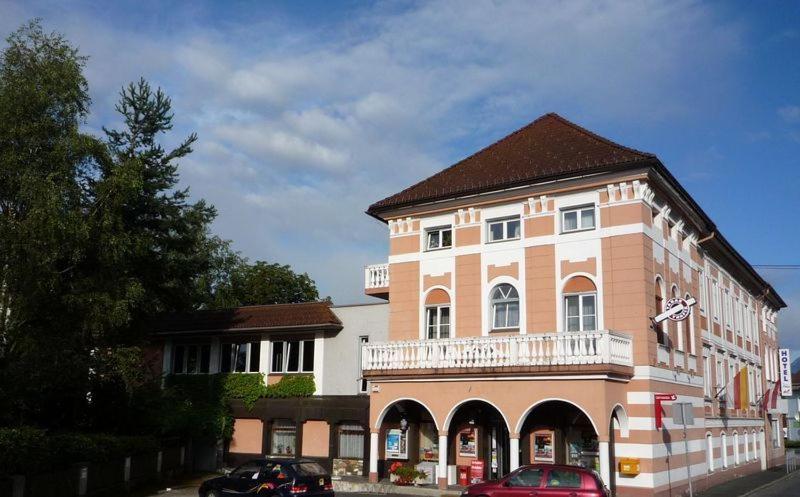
462,431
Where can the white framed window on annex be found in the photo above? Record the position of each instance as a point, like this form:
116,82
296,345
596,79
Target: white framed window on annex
504,305
292,356
581,218
437,314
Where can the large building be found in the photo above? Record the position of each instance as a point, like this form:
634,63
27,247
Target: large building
521,284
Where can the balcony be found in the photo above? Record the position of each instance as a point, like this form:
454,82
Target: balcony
536,354
376,280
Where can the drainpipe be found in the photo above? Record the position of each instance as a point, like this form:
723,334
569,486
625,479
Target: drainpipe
709,237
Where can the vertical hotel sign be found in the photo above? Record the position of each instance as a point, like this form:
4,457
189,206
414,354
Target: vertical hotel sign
785,361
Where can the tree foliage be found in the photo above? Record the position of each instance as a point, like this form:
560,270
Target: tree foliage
262,283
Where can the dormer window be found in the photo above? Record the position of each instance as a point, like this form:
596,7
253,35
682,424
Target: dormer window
577,219
503,229
438,238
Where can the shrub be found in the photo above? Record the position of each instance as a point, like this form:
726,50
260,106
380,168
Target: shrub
25,449
292,386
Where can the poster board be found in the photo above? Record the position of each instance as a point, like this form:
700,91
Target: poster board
468,442
544,446
396,444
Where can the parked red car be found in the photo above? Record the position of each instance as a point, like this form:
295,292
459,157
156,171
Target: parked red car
542,480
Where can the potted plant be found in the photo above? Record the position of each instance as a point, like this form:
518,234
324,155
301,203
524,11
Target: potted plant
405,475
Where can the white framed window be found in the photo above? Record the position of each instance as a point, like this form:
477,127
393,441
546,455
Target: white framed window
437,319
724,449
351,441
580,312
736,448
438,238
239,357
710,452
746,446
191,358
296,356
707,373
284,437
578,219
362,383
503,229
505,307
775,429
703,293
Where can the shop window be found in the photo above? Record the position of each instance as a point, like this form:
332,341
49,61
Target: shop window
190,358
351,441
428,442
284,436
240,357
438,238
505,307
292,356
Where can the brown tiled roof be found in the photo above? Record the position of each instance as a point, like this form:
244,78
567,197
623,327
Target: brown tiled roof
252,318
549,147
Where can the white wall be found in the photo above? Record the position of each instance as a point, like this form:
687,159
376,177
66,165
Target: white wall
341,370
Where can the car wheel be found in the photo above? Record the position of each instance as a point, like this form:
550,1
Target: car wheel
212,493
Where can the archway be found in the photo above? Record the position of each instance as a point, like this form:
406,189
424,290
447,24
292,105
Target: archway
560,432
407,433
477,432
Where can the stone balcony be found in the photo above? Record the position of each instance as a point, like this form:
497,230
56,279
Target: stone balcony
376,280
571,353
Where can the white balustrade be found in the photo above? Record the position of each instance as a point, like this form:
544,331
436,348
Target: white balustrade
376,276
547,349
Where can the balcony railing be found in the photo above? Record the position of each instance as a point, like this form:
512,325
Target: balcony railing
376,276
548,349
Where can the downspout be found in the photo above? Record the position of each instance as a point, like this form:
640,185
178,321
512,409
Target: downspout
709,237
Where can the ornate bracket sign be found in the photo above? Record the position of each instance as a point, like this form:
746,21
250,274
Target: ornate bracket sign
659,398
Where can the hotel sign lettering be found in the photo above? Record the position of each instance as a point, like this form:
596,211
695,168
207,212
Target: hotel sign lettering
785,361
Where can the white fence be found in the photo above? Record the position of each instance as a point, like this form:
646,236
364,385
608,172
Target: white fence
549,349
376,276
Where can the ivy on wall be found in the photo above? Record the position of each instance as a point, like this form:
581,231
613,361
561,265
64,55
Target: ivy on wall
199,405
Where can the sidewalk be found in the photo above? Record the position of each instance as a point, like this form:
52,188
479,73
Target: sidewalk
744,484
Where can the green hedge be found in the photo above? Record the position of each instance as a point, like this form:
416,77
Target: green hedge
26,448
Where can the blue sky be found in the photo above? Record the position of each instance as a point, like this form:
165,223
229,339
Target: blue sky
309,111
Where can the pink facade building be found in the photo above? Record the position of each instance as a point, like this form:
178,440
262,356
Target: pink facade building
521,284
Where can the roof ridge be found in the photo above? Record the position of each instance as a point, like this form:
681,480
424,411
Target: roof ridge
597,137
513,133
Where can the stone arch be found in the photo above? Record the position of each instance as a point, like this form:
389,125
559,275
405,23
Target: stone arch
526,413
388,406
449,418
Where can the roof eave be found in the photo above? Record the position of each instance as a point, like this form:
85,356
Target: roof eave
251,330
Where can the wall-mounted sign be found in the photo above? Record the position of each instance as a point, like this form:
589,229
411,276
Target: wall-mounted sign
658,399
543,447
476,468
785,360
468,442
396,444
676,309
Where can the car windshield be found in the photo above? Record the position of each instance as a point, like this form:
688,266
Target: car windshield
309,469
247,470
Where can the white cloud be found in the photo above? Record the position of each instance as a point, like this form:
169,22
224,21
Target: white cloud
300,132
790,113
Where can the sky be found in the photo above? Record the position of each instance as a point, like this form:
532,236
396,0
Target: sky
308,112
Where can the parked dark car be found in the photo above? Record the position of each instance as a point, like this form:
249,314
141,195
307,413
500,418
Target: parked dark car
281,477
542,480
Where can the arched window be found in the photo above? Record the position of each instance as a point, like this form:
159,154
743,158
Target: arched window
689,331
660,328
437,314
505,306
724,449
746,446
580,304
735,448
677,326
710,452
